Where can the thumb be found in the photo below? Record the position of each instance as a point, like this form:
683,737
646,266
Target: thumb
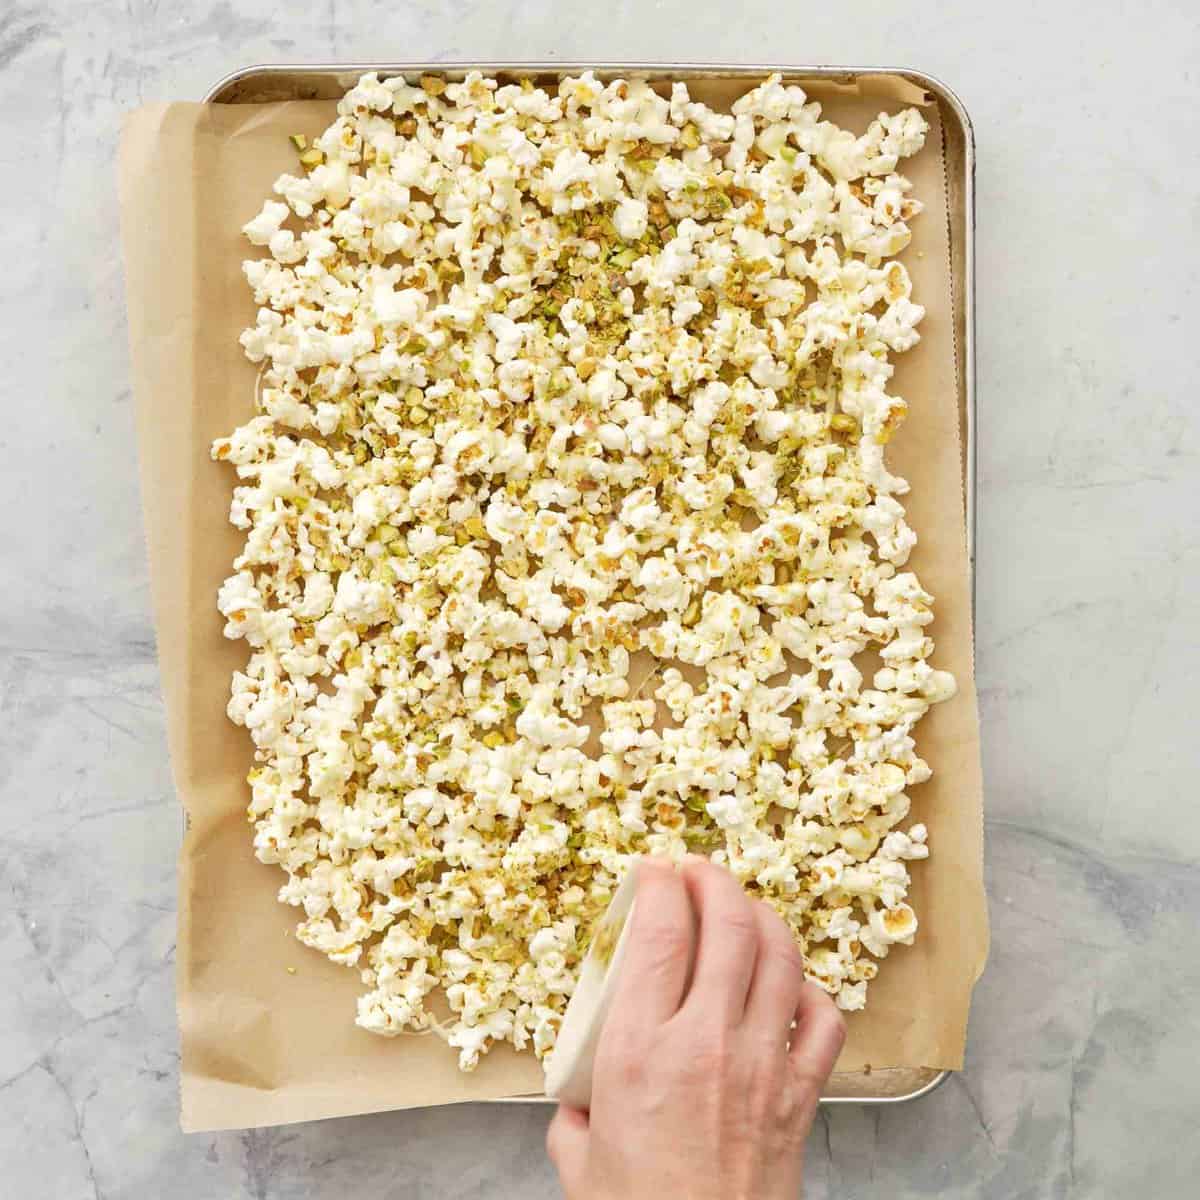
567,1143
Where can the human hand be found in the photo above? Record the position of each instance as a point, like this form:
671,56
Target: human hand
701,1089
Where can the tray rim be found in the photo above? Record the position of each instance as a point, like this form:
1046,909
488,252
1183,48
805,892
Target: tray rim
947,98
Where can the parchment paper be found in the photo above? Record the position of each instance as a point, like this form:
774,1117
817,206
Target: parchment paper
261,1045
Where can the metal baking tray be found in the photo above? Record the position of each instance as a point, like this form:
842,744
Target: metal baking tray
328,81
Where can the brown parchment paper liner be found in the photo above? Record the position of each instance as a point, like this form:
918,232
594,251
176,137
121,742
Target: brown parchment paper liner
260,1045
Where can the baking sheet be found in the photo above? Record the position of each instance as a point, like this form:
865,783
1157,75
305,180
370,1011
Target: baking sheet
261,1045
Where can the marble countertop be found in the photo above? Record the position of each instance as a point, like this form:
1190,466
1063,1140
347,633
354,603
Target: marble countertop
1081,1076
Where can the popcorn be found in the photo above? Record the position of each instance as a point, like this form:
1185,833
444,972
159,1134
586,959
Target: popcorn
629,218
266,225
560,392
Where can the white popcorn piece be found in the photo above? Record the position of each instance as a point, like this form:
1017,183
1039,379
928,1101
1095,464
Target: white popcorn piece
629,218
266,225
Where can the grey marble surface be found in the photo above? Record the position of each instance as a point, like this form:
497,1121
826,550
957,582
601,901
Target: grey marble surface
1084,1060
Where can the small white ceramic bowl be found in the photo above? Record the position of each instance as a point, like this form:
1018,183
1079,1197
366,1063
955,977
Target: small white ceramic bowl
569,1064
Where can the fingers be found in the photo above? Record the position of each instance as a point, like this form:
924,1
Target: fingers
817,1039
727,946
778,978
654,973
566,1144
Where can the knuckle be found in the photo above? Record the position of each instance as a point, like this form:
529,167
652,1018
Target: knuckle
630,1071
624,1068
665,945
740,923
739,927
